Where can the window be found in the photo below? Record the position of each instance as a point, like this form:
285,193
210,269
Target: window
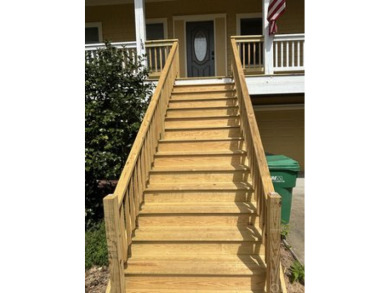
251,26
155,31
93,33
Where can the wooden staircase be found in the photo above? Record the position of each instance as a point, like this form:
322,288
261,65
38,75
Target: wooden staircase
194,209
196,228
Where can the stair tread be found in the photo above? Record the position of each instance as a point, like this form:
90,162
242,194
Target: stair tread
237,266
207,152
200,233
203,117
132,290
202,127
200,186
199,168
202,108
200,140
199,208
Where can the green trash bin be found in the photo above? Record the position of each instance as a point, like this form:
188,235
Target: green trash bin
284,173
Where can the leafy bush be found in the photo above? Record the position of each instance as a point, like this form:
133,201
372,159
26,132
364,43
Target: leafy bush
297,272
95,246
115,101
285,229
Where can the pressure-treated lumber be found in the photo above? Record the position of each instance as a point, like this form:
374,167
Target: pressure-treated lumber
114,241
273,242
197,213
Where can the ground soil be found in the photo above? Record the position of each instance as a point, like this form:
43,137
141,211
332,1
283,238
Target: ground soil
287,260
96,278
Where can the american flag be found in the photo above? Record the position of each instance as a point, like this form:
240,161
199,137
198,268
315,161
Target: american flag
275,9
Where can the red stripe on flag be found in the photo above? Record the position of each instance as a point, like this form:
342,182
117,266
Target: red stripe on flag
275,9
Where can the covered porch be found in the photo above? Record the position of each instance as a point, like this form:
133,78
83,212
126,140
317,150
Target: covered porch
204,30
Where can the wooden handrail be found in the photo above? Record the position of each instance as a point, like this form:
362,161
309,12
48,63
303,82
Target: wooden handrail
268,202
122,207
140,139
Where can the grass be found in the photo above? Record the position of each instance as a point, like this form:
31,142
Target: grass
96,246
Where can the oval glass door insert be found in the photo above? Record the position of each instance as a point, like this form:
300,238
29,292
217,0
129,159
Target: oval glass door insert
200,46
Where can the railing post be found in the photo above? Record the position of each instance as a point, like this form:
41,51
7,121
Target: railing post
114,242
268,50
140,28
273,242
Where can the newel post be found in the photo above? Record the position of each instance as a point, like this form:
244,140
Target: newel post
113,236
274,203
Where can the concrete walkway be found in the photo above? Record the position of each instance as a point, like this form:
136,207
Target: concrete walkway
296,237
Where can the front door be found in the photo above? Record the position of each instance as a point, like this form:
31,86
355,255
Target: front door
200,48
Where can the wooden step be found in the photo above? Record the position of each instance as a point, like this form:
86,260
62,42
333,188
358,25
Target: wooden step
203,88
219,144
199,186
130,290
202,132
202,103
202,112
244,266
216,158
222,220
172,176
211,284
202,95
199,208
240,244
168,196
188,122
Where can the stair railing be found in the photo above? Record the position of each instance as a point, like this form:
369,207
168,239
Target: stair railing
122,207
268,202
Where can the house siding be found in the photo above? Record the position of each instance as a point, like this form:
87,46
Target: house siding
283,132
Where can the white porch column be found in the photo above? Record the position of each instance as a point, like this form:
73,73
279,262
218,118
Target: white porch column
268,51
140,27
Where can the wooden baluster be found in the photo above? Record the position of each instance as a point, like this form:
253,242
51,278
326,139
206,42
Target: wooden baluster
114,240
150,60
161,59
276,63
243,55
249,54
155,59
293,54
281,54
287,54
254,55
131,204
303,56
273,242
299,53
123,233
128,225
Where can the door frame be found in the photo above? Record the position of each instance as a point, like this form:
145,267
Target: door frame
201,17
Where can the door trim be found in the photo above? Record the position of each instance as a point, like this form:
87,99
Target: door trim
202,17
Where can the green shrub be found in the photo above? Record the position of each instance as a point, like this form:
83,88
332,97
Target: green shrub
297,272
96,246
115,101
284,230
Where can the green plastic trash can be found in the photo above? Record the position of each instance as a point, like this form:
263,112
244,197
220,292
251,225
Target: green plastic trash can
284,173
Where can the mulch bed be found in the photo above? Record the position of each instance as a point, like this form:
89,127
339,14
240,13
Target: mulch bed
96,278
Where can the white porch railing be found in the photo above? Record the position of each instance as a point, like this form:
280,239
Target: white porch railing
156,52
288,51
